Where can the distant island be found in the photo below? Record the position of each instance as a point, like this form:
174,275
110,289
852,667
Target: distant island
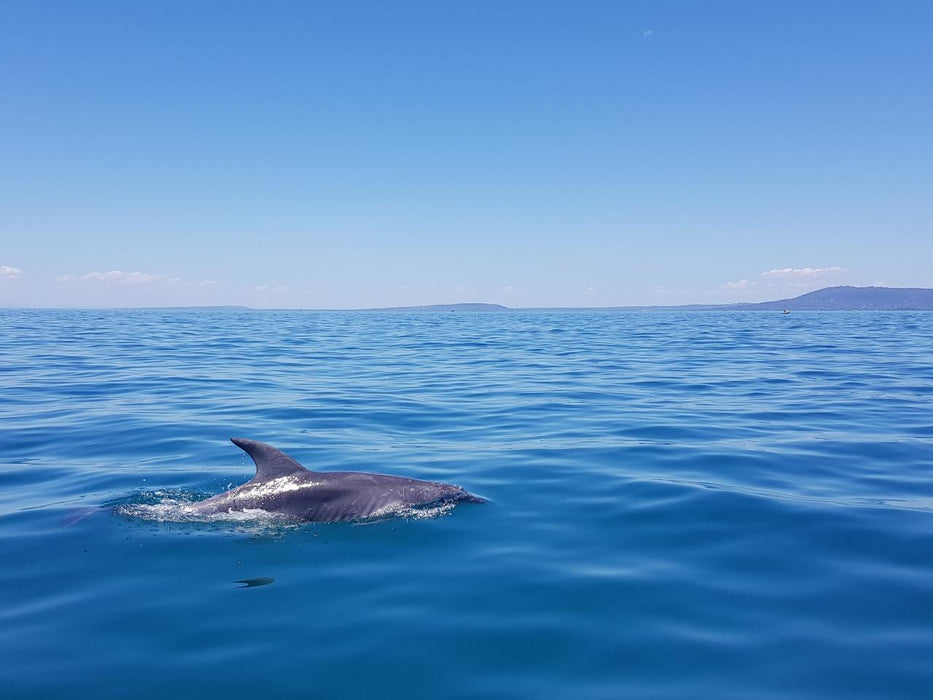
227,307
447,308
849,299
828,299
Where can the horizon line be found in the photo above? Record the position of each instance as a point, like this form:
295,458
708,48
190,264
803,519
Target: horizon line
453,306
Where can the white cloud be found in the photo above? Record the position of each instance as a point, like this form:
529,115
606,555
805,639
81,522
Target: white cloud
664,291
119,277
591,288
10,273
190,284
801,273
788,279
648,33
741,284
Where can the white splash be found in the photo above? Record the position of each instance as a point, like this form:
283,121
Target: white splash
175,507
400,510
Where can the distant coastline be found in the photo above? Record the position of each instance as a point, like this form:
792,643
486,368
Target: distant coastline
827,299
843,298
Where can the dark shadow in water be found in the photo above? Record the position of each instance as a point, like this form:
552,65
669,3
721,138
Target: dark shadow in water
254,582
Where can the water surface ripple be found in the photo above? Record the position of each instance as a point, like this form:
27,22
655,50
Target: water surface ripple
681,505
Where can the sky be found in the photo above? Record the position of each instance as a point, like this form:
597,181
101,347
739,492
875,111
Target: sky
529,153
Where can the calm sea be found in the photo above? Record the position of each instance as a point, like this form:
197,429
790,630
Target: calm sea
681,505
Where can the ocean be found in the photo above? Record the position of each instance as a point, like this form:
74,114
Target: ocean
680,505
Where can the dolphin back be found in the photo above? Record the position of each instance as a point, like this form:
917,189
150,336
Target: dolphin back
270,462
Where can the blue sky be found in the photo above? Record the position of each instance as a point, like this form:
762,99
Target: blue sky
356,154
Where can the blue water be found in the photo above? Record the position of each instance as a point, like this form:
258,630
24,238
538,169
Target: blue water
705,505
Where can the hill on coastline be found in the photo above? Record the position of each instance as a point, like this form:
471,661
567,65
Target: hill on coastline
850,299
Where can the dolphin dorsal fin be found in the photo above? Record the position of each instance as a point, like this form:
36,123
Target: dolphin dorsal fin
270,462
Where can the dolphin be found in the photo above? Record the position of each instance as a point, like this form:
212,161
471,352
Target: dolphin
285,487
